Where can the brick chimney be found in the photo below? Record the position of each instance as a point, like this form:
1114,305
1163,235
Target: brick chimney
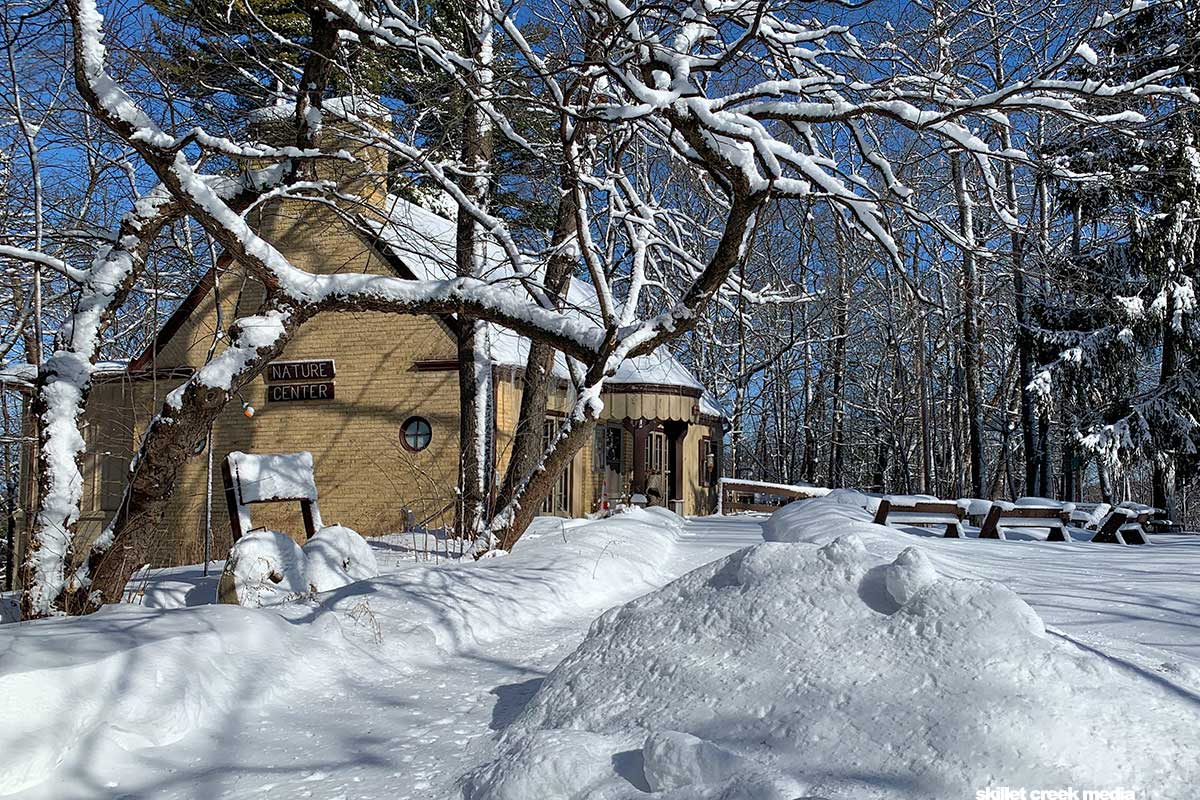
312,235
366,176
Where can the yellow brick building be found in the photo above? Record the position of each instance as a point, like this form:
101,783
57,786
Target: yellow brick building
383,431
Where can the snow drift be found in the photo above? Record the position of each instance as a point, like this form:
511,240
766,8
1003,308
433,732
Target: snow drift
559,565
338,556
264,568
75,692
789,670
128,678
267,568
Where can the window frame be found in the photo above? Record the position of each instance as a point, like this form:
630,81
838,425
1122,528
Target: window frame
416,419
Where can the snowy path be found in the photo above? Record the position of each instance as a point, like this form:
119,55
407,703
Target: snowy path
374,729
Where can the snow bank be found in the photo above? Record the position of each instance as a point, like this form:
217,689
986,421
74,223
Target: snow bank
128,678
788,669
337,556
558,566
76,692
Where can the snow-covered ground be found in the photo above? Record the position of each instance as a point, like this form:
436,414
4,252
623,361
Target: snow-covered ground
847,660
389,688
826,663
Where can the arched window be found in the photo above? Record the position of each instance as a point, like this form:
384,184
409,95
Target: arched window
415,434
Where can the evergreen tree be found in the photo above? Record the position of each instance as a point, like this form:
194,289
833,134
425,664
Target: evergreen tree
1124,319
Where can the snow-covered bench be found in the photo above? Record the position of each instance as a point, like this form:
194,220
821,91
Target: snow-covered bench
1124,525
1090,516
253,478
1054,516
921,512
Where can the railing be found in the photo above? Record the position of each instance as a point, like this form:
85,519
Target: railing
742,495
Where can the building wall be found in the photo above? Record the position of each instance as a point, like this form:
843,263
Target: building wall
700,499
508,387
366,478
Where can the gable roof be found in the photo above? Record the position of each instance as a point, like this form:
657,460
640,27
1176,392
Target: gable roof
424,244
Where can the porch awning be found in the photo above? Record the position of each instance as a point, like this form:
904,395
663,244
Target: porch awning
672,404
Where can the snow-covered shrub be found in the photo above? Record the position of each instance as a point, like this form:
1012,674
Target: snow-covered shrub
264,568
790,670
338,556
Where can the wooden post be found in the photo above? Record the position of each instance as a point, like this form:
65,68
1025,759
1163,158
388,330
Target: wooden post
310,527
231,500
1058,533
676,434
881,513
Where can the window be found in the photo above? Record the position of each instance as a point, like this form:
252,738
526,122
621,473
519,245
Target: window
607,448
114,469
415,434
656,452
558,502
708,461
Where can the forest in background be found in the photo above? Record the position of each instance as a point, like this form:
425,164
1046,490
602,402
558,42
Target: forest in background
1057,360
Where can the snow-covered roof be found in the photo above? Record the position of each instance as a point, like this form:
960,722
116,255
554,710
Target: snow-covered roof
21,374
424,243
358,105
18,374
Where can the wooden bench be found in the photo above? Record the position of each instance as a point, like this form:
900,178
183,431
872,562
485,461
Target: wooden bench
922,513
1124,526
1052,517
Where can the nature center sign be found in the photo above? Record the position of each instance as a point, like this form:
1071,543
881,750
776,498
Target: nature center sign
289,381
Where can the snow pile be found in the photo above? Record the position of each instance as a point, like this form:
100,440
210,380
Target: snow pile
264,568
126,678
559,565
789,670
338,556
78,694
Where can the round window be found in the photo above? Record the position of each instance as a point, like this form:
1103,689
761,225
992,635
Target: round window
415,433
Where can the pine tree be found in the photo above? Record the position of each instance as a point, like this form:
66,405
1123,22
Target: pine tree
1124,321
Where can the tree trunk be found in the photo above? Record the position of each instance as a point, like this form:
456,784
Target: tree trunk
474,368
528,495
971,356
168,443
1164,462
1024,337
528,441
841,324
